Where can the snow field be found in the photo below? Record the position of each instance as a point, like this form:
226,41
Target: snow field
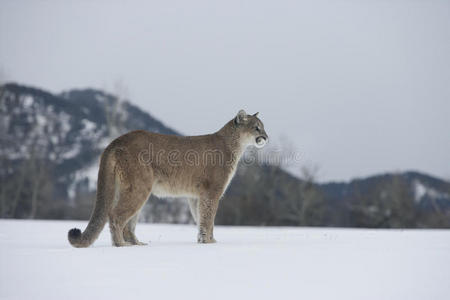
37,262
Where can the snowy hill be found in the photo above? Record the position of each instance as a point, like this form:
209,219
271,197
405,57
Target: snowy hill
246,263
271,196
50,145
47,138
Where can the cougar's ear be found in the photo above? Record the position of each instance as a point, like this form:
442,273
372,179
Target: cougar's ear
255,115
241,117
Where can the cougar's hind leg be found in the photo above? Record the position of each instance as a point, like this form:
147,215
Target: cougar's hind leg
133,193
130,202
128,232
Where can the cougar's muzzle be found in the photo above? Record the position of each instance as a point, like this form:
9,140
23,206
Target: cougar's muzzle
261,141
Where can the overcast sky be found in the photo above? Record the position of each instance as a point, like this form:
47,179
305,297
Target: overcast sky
359,87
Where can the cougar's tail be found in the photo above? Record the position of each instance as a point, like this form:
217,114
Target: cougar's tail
105,197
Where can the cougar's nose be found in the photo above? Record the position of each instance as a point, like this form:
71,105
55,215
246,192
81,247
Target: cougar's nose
265,136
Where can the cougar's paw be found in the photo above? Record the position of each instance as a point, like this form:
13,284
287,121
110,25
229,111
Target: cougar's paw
138,243
204,239
124,244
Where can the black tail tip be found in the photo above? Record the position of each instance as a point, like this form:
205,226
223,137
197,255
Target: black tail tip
74,233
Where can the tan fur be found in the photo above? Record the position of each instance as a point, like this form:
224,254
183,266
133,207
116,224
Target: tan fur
140,162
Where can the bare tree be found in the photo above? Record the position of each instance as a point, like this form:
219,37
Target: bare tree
115,112
307,207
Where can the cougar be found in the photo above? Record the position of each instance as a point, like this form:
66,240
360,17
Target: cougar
141,163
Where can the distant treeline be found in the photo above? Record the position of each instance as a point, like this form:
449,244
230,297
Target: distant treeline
270,196
258,196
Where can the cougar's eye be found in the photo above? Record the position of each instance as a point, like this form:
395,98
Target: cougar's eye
257,128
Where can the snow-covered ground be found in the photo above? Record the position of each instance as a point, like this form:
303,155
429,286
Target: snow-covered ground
37,262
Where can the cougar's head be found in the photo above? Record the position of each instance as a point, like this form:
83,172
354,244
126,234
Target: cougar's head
251,128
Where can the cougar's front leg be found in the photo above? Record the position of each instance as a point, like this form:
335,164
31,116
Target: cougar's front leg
193,206
207,208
